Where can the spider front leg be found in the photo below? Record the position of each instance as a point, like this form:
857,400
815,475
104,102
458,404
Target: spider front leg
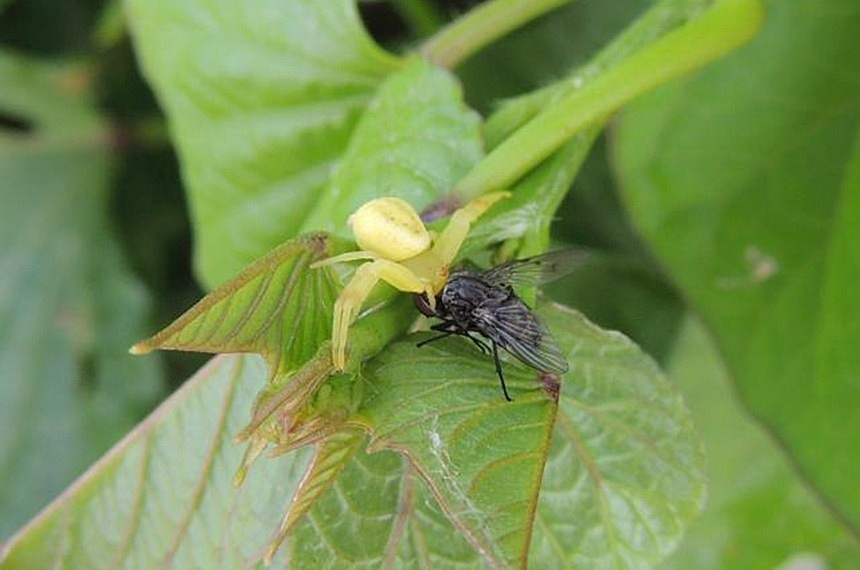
452,237
353,296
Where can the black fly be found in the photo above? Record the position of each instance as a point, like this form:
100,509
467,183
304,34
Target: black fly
480,302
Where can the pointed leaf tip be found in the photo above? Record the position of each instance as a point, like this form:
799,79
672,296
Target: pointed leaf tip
140,348
274,307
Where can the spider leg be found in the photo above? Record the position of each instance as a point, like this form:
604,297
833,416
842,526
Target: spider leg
344,257
351,299
499,371
454,234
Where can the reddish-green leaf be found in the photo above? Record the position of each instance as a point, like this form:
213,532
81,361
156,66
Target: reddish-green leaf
276,307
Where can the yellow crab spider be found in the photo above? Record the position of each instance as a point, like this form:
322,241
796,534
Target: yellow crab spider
401,252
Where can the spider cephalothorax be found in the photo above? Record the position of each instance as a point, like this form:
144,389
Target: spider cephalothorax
400,251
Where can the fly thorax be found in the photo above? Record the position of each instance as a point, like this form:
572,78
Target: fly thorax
461,296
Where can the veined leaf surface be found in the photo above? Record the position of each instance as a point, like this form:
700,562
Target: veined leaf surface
262,99
68,302
750,197
618,490
276,307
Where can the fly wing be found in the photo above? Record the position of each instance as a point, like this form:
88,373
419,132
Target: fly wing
538,269
516,329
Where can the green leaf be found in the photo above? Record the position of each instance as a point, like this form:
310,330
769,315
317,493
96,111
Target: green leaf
164,493
276,307
279,308
621,287
262,102
333,454
759,513
271,300
68,303
746,182
482,456
380,514
624,294
416,139
352,525
452,423
625,474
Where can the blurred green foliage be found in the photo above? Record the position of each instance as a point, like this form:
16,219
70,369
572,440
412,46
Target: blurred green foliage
96,252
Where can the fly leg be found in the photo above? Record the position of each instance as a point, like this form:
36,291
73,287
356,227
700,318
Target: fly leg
482,346
499,371
447,328
437,337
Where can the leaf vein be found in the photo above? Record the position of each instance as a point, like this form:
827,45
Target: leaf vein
208,464
137,509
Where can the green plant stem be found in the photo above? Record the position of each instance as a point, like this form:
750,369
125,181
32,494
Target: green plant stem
110,28
728,24
423,17
482,26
